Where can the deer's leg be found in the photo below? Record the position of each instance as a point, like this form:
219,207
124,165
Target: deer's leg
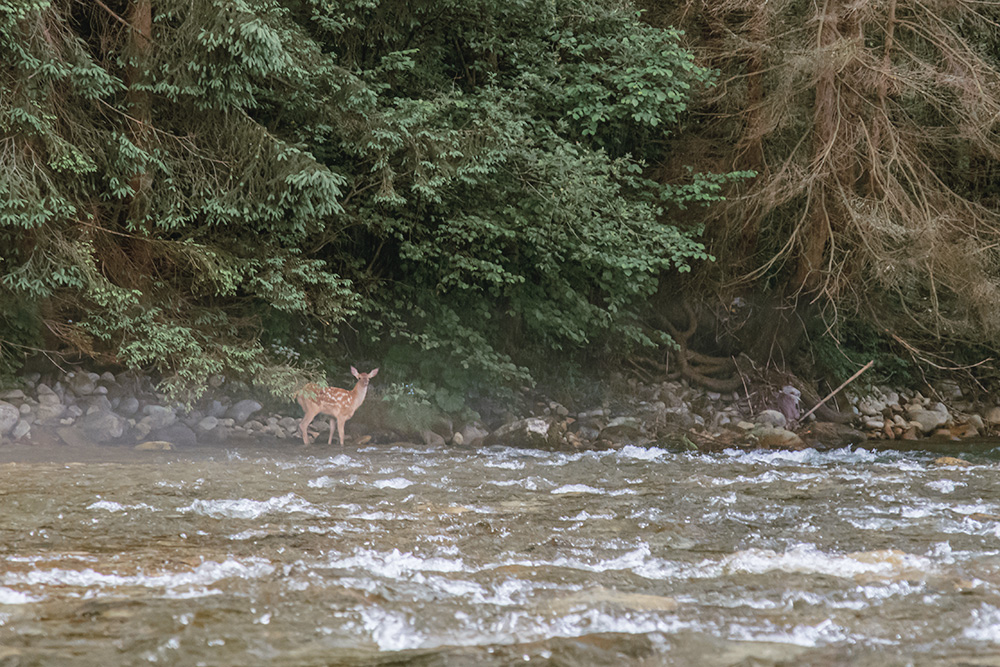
304,424
340,430
333,421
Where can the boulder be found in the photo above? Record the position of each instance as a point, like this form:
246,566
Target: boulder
773,418
208,423
241,411
9,416
992,415
216,408
158,416
128,406
50,406
82,384
530,433
769,437
432,439
154,446
927,420
102,426
21,429
182,435
73,437
472,433
624,430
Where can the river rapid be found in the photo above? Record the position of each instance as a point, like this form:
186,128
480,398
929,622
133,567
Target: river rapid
249,555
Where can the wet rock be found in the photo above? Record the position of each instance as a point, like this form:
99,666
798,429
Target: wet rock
624,430
21,429
154,446
432,439
158,416
216,408
875,424
208,423
102,426
241,411
73,437
128,406
457,440
50,407
82,384
927,420
181,435
772,418
9,416
871,407
951,461
831,435
97,403
12,395
530,433
473,433
976,422
992,416
769,437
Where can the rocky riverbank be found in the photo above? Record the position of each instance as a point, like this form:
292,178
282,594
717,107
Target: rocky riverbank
125,409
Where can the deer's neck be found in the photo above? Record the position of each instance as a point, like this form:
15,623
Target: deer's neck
359,392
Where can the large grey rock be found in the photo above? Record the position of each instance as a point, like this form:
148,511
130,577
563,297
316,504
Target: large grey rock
473,433
623,430
21,429
82,384
102,426
158,416
432,439
96,403
769,437
928,420
216,408
773,418
9,416
208,423
241,411
128,406
992,415
50,406
530,433
181,435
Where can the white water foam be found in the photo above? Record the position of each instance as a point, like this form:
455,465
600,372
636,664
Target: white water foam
10,596
174,584
807,559
395,564
985,625
111,506
394,483
245,508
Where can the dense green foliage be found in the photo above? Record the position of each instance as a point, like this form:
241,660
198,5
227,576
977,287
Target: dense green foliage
453,189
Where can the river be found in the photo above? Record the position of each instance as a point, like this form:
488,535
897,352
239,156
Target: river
253,555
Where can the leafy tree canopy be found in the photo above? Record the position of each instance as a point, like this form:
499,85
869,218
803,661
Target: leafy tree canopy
243,188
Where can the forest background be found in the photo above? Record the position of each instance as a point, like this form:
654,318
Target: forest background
480,194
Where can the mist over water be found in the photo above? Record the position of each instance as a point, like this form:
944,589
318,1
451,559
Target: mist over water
440,556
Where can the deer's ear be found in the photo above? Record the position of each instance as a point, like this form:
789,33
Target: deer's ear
354,371
373,373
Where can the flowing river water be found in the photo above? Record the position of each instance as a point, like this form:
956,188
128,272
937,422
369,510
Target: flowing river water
249,555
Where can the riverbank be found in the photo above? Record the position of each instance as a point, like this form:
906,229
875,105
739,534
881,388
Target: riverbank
79,408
